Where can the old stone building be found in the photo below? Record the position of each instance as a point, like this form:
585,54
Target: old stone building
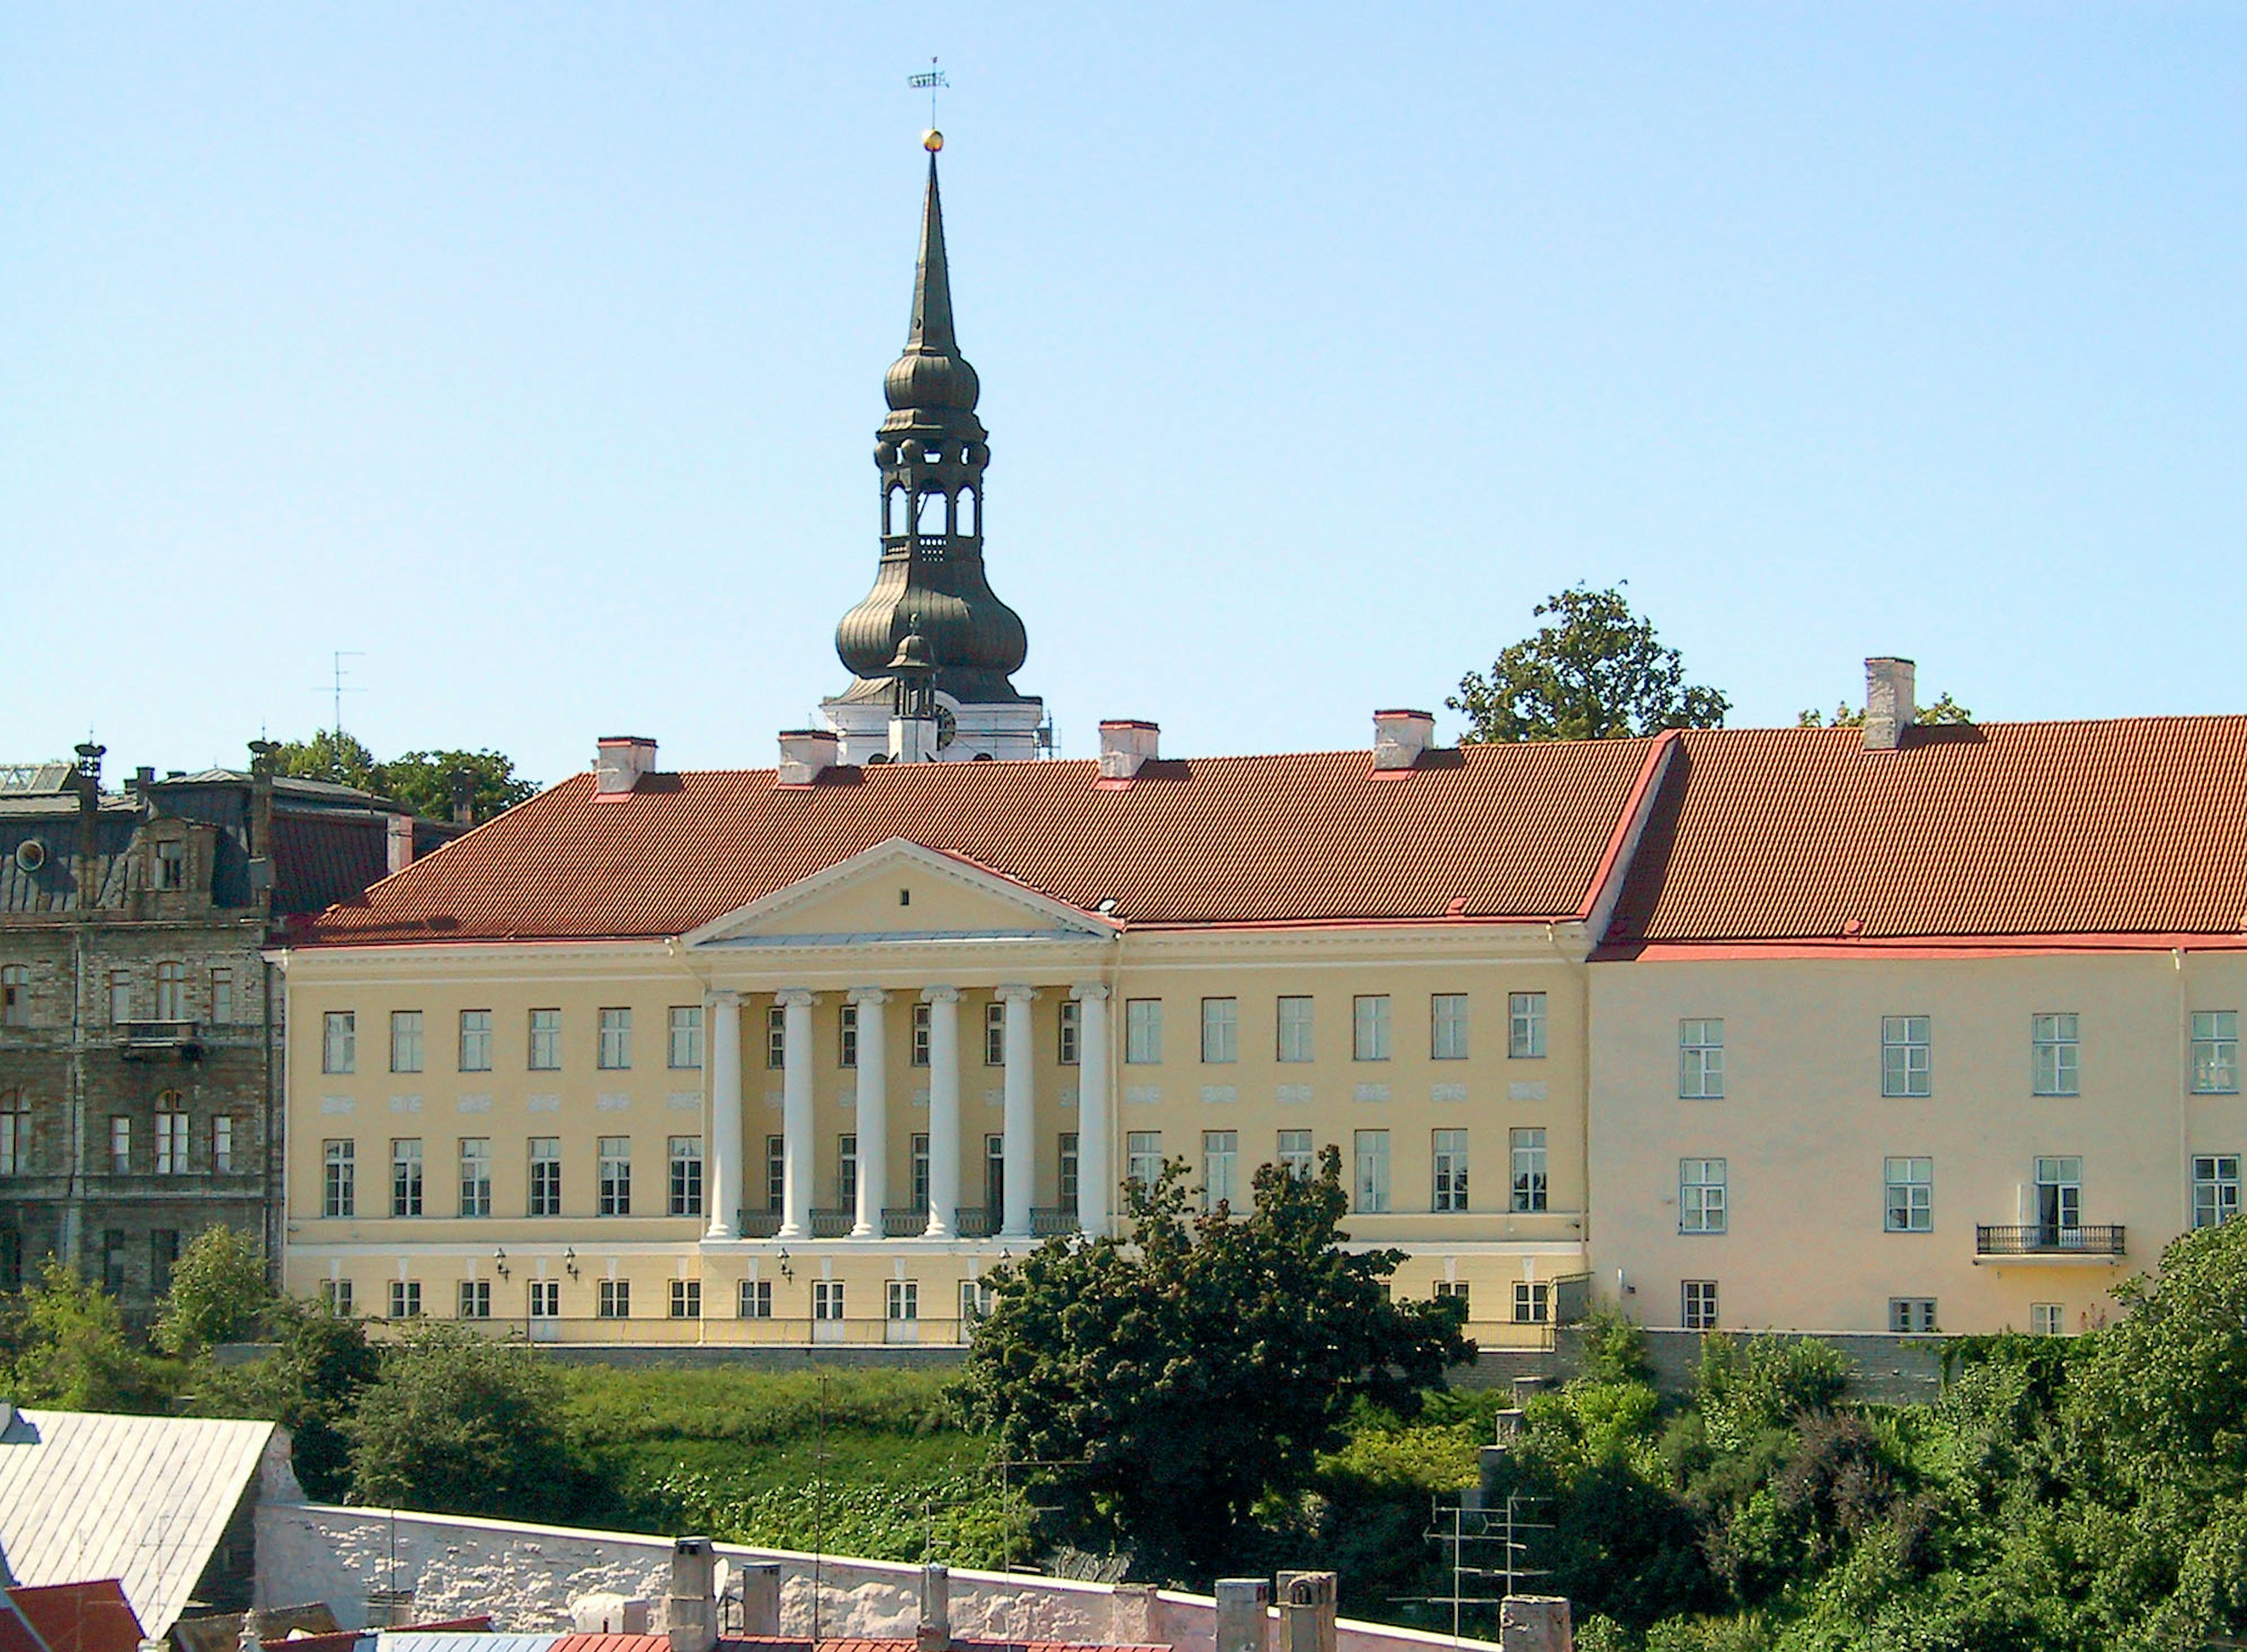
139,1025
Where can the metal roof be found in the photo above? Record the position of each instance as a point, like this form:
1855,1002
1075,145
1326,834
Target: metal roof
441,1641
142,1499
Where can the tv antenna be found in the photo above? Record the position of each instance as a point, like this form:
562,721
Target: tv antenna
335,686
931,81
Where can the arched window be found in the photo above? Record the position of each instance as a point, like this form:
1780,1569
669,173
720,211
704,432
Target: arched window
171,991
932,514
967,511
893,514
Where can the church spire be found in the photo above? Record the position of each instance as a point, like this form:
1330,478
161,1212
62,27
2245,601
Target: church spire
931,316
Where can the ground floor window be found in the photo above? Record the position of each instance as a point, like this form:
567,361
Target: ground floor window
2047,1318
756,1298
1533,1302
615,1299
405,1299
1698,1304
686,1298
476,1298
827,1299
1911,1315
905,1299
546,1298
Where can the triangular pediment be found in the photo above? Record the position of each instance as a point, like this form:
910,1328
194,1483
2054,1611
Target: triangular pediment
901,891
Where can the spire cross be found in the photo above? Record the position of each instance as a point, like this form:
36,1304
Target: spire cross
929,82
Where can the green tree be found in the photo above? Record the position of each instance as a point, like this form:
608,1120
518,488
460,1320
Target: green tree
1160,1389
1596,671
421,781
332,756
459,1424
1945,710
219,1292
71,1350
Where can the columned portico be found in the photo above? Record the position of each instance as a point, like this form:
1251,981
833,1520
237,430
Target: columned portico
722,1014
943,1108
1021,1113
796,1116
1095,1178
873,1112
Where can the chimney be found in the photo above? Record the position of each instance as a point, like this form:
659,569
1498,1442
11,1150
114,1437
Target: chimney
1399,737
760,1598
89,826
690,1612
1889,706
1243,1624
620,760
399,834
143,778
1126,745
1535,1623
1307,1611
935,1609
805,755
463,784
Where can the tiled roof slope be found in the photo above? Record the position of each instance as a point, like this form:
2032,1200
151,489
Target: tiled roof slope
2135,826
1507,831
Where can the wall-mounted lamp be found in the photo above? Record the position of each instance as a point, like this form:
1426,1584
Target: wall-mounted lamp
786,1271
569,1259
1006,1256
499,1261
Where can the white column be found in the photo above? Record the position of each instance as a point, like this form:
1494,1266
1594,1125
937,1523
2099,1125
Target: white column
873,1112
1021,1148
722,1020
796,1115
943,1108
1096,1170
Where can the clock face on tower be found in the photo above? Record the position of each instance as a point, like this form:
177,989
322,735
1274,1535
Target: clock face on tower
948,726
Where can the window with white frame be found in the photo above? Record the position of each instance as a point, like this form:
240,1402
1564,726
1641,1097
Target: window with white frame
846,1037
120,1144
615,1175
1296,1029
121,1004
1701,1196
335,1298
405,1299
2059,1195
1524,1032
615,1052
614,1300
406,1176
2215,1188
546,1298
683,1047
405,1041
1142,1031
1910,1198
222,1143
338,1041
476,1298
1701,1060
1907,1056
1371,1184
1221,1030
975,1300
1533,1302
994,1175
171,1134
1448,1155
15,1134
827,1300
545,1176
338,1178
546,1040
1296,1154
2054,1055
1368,1027
995,1032
2216,1052
846,1169
686,1298
171,991
1696,1303
475,1176
776,1036
1142,1157
2047,1318
755,1300
1911,1315
15,995
1220,1152
919,1168
904,1303
686,1192
1456,1291
920,1033
1068,1024
1066,1183
475,1040
222,997
171,873
1447,1027
775,1173
1531,1189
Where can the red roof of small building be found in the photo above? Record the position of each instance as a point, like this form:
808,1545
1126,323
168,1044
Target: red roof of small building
1507,832
80,1617
784,1643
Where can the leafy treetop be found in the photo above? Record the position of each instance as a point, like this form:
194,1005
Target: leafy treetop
1597,672
1945,710
422,781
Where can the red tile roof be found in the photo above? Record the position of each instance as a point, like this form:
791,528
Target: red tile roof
1514,832
80,1617
2126,828
785,1643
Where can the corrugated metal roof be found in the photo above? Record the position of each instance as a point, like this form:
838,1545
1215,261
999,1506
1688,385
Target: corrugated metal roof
1486,831
143,1500
2136,826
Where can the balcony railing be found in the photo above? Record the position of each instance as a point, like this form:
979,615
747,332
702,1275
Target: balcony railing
908,1224
139,1039
975,1221
760,1224
831,1223
2041,1238
1047,1221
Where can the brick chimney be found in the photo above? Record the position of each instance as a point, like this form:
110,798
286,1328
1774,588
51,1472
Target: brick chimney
935,1609
690,1611
1243,1616
805,753
1889,706
1307,1611
1399,737
89,826
1126,744
397,832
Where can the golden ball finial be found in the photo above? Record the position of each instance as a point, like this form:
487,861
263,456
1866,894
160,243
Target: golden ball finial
932,140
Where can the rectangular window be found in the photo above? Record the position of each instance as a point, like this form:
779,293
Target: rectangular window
1910,1202
1524,1032
827,1300
2216,1052
2215,1188
1447,1027
1142,1031
2045,1318
846,1170
1698,1304
121,1146
475,1176
2054,1055
994,1033
14,996
405,1041
776,1037
920,1014
476,1298
1296,1156
1529,1190
920,1172
171,991
546,1176
120,999
846,1038
1221,1030
683,1050
686,1298
1068,1162
171,870
775,1173
475,1040
1368,1027
995,1175
1220,1152
1907,1056
975,1296
1142,1157
15,1142
338,1178
905,1299
406,1177
1372,1183
1701,1060
113,1261
686,1194
171,1144
2059,1197
1296,1029
546,1298
616,1039
405,1299
1450,1158
222,997
615,1189
222,1144
338,1041
336,1297
1072,1020
1533,1302
546,1040
615,1299
756,1301
1701,1202
163,1255
1911,1315
1455,1291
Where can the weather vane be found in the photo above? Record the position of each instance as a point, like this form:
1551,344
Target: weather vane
931,81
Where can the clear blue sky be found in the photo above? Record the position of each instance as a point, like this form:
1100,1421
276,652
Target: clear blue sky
536,352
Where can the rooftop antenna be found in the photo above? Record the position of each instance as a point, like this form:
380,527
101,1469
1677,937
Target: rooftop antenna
336,686
931,81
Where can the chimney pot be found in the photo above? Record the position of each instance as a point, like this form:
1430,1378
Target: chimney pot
805,753
620,760
1535,1623
1243,1621
1126,745
935,1609
690,1612
399,837
1306,1611
1889,706
1399,737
